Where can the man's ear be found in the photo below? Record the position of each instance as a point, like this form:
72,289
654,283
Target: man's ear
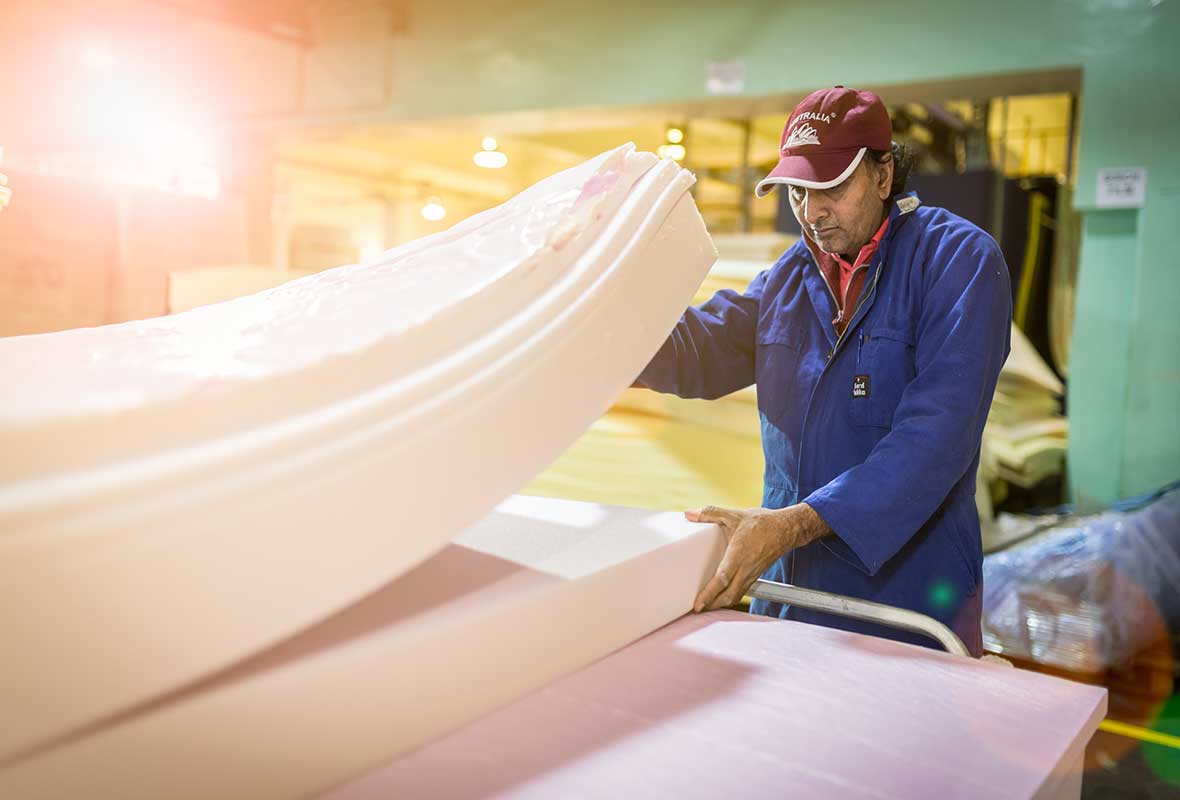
885,177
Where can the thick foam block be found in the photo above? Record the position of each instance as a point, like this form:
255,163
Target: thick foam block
177,494
535,591
783,709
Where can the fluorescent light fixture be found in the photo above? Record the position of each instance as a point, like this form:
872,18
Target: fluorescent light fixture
490,159
672,151
433,210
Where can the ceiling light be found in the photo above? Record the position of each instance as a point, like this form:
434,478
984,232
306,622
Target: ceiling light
489,143
675,135
490,159
433,210
672,151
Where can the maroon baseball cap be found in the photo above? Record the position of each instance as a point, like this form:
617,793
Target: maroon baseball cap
826,137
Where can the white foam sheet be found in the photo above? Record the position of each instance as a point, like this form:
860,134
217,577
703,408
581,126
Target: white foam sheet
771,708
535,591
179,493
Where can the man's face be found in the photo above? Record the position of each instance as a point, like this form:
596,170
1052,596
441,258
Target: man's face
843,219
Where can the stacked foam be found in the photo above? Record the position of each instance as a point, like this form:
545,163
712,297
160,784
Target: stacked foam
1025,438
183,493
533,592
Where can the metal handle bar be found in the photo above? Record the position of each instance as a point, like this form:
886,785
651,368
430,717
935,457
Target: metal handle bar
865,610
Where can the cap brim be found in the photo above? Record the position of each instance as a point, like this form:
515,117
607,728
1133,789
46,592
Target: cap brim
819,171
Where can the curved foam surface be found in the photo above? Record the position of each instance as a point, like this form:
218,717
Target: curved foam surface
536,590
190,490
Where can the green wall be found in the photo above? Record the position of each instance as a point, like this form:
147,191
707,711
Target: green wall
463,57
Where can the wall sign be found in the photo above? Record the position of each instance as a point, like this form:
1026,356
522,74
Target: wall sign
1121,187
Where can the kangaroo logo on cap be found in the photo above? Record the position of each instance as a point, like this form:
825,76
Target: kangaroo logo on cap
802,135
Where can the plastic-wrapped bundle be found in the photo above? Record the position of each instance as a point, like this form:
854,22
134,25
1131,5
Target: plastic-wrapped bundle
1090,593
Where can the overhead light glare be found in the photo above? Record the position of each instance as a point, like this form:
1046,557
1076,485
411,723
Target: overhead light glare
96,55
199,180
174,142
675,135
489,143
672,151
491,159
433,210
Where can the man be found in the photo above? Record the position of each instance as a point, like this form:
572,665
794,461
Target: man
875,342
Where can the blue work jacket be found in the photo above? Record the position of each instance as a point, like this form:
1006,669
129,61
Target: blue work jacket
879,429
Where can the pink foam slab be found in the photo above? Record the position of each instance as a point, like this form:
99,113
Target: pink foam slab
538,589
725,703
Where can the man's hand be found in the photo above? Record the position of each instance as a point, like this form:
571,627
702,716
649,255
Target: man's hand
756,538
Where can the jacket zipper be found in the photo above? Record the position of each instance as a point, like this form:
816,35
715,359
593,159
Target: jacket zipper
835,300
863,298
844,303
861,301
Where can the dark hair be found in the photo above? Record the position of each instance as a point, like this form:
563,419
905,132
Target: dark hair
903,162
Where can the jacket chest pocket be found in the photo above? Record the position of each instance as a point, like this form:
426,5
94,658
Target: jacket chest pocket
776,360
884,367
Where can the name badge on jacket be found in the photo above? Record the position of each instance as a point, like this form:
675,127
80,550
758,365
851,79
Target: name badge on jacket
860,386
